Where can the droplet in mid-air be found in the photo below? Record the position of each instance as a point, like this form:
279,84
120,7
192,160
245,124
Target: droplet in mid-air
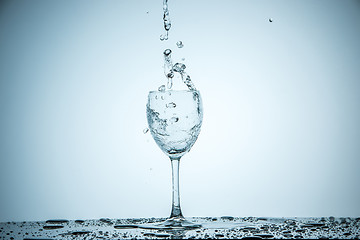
171,105
270,20
164,37
167,52
146,130
161,88
180,44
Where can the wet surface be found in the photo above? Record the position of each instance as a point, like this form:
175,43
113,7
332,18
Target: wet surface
212,227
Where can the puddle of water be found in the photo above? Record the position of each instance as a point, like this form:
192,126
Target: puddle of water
212,227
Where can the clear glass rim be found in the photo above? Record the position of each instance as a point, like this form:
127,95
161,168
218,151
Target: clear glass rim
152,92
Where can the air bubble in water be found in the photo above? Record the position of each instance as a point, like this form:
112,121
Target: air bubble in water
171,105
146,130
174,119
161,88
180,44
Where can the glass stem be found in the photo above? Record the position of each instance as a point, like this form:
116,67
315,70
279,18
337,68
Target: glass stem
175,210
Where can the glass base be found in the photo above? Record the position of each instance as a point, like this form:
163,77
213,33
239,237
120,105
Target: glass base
172,223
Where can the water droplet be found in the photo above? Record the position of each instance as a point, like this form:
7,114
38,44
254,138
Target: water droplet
50,227
183,59
149,234
162,235
55,221
171,105
80,233
146,130
163,37
180,44
230,218
264,235
105,220
270,20
167,52
147,12
174,120
161,88
125,226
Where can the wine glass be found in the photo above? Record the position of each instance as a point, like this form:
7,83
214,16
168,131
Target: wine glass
175,119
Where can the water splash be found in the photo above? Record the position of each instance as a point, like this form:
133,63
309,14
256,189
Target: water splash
169,70
180,68
146,130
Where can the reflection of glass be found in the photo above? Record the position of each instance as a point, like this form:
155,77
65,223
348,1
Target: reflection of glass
174,119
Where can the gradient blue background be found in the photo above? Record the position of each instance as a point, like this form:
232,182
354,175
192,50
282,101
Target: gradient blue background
280,136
